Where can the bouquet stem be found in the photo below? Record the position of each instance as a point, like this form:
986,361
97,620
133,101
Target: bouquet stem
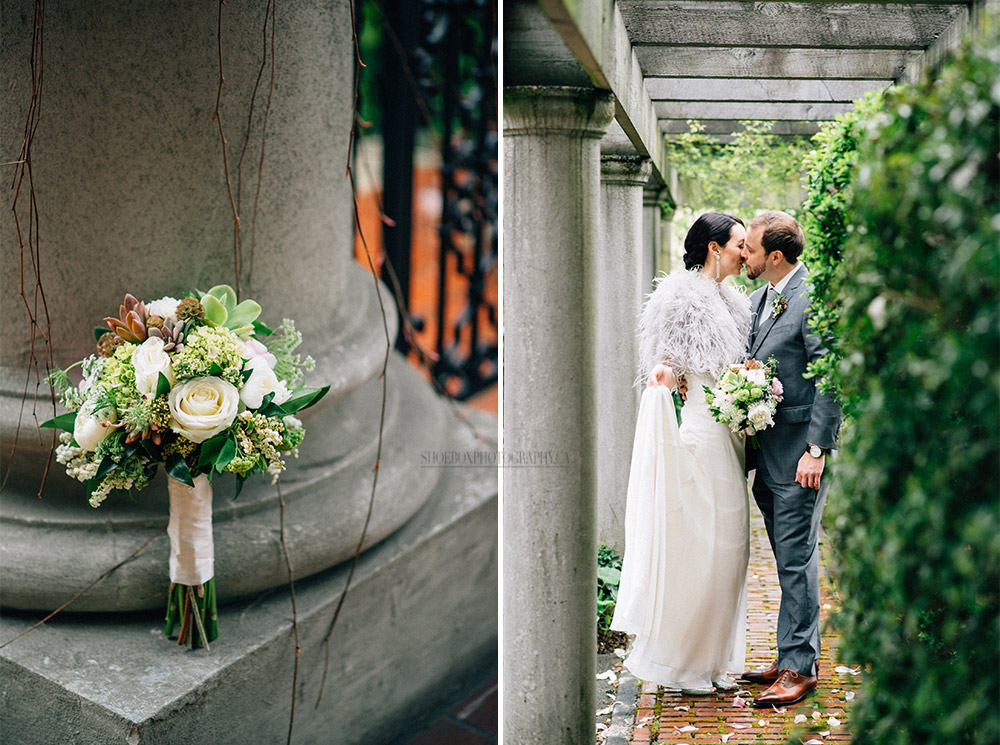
191,600
193,607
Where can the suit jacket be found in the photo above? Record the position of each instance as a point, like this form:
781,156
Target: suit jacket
804,415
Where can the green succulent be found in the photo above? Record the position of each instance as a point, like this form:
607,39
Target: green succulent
222,310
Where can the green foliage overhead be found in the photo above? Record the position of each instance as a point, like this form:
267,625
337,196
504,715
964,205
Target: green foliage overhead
755,171
914,512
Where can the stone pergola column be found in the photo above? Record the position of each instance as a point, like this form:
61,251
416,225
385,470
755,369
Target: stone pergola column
622,262
653,197
552,241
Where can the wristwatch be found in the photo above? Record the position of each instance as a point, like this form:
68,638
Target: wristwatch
816,451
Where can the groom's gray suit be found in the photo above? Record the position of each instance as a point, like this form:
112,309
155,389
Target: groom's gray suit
792,513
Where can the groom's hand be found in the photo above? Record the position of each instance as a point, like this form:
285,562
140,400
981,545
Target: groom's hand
809,471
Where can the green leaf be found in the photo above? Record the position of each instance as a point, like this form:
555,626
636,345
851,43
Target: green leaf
262,329
225,455
225,294
100,331
131,449
215,369
211,448
106,467
240,480
63,421
246,374
303,399
243,314
269,408
177,467
215,312
609,575
162,385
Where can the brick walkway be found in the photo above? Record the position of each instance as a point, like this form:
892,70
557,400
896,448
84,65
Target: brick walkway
663,716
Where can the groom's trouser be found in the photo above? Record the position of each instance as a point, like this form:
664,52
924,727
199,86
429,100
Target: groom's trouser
792,517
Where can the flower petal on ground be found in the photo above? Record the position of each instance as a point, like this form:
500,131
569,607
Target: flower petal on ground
799,718
846,670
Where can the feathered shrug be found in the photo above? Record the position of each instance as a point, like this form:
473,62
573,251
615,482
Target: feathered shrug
694,324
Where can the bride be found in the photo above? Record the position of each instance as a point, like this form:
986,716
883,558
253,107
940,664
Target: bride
683,582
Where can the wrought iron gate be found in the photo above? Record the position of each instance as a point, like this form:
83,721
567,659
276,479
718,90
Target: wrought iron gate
439,69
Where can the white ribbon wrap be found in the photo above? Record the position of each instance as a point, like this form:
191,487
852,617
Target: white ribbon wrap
192,553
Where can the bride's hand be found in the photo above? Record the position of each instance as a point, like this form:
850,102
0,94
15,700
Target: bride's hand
662,375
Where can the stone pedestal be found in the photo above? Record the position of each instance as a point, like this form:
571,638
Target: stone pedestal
551,242
419,620
621,261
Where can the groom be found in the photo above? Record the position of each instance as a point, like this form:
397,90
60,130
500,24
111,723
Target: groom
790,487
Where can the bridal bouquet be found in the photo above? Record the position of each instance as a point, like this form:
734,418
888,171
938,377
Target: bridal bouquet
190,385
745,397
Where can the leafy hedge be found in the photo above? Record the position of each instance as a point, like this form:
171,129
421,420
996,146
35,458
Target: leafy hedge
829,168
914,511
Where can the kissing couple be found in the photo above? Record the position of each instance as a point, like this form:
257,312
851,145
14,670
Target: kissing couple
683,587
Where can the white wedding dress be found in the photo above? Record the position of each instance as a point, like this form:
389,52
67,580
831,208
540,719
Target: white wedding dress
683,582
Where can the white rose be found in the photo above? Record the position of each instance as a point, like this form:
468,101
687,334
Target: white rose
262,381
165,308
90,431
203,407
149,360
756,376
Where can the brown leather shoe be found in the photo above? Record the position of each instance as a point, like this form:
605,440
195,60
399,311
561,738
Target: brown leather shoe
789,688
767,674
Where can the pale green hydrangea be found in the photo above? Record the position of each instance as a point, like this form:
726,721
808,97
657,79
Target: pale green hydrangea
206,346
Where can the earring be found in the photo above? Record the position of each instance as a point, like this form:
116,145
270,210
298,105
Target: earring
718,267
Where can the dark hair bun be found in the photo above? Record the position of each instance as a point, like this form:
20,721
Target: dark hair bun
712,226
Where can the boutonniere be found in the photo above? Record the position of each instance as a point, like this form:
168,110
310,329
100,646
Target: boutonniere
778,306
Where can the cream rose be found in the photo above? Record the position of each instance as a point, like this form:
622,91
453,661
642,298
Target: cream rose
149,360
90,431
262,381
202,407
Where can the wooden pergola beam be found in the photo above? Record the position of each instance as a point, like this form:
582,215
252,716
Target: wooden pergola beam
695,23
759,110
737,89
725,127
792,64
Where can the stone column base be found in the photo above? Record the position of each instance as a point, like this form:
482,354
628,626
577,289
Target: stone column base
419,618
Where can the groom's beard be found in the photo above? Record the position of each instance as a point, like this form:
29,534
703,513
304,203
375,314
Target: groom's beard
753,272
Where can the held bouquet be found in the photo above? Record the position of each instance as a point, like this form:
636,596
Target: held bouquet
745,397
187,384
